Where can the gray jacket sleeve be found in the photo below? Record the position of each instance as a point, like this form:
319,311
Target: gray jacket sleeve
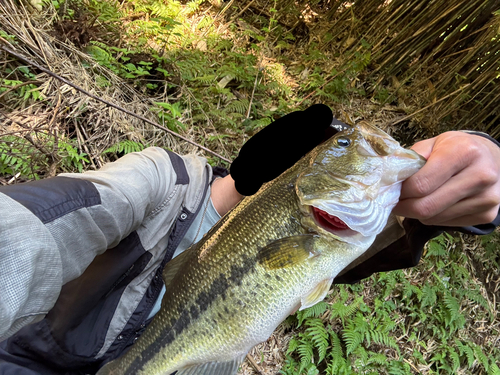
51,230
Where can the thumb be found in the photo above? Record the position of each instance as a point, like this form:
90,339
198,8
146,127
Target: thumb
424,147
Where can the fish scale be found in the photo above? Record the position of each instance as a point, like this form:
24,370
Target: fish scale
261,261
259,228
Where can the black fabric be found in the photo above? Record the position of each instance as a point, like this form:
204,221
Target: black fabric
407,251
54,197
17,365
404,253
179,168
218,172
278,146
480,229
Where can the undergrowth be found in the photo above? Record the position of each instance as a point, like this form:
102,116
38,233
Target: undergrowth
31,159
402,326
226,79
222,84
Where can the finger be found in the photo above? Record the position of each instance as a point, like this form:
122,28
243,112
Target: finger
477,210
424,147
456,189
470,219
442,164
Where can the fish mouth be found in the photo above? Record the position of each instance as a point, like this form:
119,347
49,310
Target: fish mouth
331,223
336,226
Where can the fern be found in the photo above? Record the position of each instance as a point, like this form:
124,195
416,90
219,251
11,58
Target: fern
18,156
476,296
71,158
353,337
381,338
336,349
337,363
398,368
206,79
292,345
124,147
455,360
465,349
99,51
319,336
481,357
238,106
454,319
339,309
494,369
429,296
306,353
313,311
378,358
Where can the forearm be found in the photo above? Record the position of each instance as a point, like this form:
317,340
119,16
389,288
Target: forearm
53,229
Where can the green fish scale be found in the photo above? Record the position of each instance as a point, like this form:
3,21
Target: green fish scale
222,283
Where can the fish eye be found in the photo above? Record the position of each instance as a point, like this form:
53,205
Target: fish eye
343,142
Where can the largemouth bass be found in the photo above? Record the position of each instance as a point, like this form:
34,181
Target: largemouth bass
275,252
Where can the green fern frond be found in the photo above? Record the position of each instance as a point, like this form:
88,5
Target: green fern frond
313,311
206,79
429,296
494,369
339,309
352,338
398,368
126,147
481,357
319,336
336,349
377,358
382,338
292,345
337,364
306,352
476,296
455,360
409,290
238,106
467,350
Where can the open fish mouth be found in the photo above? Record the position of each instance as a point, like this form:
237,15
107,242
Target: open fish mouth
331,223
328,222
354,222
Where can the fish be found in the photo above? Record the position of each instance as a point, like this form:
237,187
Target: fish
276,252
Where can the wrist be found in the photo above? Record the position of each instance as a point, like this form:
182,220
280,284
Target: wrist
224,195
481,134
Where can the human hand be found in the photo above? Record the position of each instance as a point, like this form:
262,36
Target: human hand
458,186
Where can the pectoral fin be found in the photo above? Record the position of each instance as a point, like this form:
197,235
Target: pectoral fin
316,295
287,252
213,368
